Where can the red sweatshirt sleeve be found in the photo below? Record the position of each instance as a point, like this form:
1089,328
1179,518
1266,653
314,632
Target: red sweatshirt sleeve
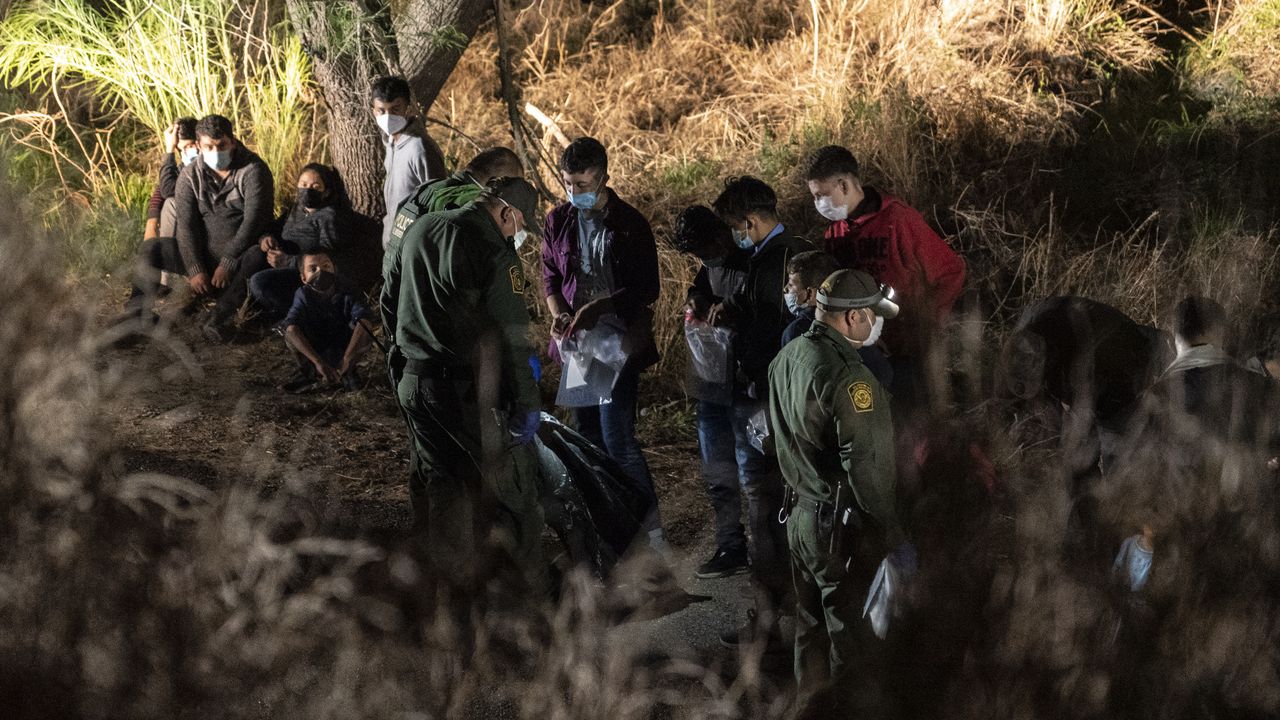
939,270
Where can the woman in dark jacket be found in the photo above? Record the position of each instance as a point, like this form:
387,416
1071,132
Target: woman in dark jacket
315,222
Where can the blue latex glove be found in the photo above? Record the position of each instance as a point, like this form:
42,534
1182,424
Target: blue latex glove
904,559
536,366
524,426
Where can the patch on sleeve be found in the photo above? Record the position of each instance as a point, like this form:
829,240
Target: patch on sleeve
863,400
517,280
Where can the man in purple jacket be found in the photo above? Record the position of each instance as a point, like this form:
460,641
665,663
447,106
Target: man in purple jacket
599,261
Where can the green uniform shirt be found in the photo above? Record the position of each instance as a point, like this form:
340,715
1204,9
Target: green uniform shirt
447,193
451,278
831,426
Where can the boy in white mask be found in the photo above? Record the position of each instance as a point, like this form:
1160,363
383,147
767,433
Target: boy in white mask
805,273
412,156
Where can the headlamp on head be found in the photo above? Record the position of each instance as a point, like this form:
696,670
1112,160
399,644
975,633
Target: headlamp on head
854,289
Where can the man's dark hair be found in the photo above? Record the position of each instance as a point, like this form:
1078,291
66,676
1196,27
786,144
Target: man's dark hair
583,154
496,162
812,267
1197,316
215,127
314,253
186,128
746,195
700,232
830,161
390,88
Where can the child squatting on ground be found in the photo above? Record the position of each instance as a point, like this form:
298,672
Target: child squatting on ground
325,328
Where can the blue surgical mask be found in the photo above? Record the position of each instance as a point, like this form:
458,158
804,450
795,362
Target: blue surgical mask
584,200
742,239
216,159
793,303
189,154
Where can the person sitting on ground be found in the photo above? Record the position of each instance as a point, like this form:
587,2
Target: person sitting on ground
884,237
724,269
179,145
805,273
179,141
412,157
224,203
458,189
314,223
326,327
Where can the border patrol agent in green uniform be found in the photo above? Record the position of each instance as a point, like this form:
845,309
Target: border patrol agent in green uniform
834,438
454,191
453,299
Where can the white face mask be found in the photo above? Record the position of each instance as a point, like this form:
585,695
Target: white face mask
520,237
216,159
876,327
829,210
392,124
189,155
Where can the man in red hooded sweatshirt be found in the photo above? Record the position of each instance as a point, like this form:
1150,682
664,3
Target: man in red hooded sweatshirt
884,237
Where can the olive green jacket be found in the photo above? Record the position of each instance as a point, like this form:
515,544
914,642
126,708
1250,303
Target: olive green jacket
831,425
452,281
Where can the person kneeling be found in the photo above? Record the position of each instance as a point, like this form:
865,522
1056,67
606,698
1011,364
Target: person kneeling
325,328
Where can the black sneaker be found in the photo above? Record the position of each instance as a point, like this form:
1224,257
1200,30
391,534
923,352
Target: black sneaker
753,632
723,564
351,381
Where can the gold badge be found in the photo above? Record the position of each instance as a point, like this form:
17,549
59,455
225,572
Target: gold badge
517,280
860,394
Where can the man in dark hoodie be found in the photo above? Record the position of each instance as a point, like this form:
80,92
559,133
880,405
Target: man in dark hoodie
224,204
700,233
758,315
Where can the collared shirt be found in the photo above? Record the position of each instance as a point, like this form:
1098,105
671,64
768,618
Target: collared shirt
832,428
775,232
455,288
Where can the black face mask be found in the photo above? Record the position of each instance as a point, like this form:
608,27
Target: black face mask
310,198
323,282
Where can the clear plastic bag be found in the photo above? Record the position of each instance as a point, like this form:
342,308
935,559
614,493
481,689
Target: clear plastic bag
591,361
711,362
758,433
879,607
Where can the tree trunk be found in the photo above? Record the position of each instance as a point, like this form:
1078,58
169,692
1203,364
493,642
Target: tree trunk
431,36
351,43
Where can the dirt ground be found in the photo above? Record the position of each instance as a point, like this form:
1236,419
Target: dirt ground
215,412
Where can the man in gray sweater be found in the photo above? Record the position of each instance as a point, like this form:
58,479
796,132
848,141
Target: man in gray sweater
224,202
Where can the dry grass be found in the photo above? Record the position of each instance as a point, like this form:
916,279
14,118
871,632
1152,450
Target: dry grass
686,93
1236,62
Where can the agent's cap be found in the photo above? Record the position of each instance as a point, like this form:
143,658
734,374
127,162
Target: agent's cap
853,289
519,194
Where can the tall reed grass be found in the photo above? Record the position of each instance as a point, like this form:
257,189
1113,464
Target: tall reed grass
148,62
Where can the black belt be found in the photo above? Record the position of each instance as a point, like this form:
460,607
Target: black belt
814,505
435,370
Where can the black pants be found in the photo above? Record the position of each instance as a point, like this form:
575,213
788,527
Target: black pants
162,254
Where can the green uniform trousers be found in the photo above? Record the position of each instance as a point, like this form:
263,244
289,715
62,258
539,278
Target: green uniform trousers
466,531
835,647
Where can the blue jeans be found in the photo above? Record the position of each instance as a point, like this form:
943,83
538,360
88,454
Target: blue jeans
274,289
762,485
612,427
720,473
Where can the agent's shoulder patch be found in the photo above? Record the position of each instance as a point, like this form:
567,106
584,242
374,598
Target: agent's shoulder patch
517,279
861,396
